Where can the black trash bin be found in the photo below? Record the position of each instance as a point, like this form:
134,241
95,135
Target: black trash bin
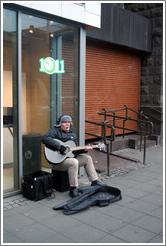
31,153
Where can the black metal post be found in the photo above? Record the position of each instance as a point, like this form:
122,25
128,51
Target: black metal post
140,141
123,128
144,155
108,159
105,114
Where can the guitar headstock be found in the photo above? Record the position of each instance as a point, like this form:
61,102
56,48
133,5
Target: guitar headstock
101,146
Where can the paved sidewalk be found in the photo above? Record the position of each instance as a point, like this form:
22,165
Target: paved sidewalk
137,218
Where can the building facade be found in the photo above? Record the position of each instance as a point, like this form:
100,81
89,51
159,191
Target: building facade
76,59
43,77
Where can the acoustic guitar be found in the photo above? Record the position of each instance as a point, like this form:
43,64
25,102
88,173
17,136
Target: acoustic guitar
56,157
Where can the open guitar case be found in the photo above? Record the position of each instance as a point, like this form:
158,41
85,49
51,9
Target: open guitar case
90,196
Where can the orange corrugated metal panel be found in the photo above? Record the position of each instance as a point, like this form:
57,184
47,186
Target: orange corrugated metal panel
112,80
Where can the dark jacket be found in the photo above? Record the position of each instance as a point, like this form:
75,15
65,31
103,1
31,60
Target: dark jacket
58,133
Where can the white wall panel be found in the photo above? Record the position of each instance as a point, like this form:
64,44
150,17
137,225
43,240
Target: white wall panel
94,8
88,14
73,11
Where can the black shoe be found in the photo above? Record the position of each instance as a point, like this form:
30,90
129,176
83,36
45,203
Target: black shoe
74,192
96,182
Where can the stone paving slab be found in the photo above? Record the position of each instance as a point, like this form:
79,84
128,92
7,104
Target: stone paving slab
134,234
149,223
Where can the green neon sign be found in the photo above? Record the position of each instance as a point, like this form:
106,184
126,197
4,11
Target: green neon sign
51,66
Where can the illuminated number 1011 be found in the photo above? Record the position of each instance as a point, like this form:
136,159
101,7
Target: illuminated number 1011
51,66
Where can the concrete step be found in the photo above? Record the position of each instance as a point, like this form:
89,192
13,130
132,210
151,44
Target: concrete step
131,141
135,144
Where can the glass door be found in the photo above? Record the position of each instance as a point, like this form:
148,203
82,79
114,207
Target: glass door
10,126
49,82
49,87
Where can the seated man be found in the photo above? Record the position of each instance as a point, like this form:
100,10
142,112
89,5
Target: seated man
63,131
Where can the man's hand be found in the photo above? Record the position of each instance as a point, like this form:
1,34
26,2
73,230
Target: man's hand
63,150
88,147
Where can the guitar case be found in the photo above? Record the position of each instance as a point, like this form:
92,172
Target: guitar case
90,196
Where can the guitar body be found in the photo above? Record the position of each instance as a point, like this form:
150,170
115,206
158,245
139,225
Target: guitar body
55,157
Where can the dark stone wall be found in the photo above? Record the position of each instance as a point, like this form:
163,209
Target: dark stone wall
151,100
123,28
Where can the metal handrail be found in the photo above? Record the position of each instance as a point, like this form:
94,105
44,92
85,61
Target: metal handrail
115,117
104,138
156,118
141,122
145,126
154,109
103,124
105,113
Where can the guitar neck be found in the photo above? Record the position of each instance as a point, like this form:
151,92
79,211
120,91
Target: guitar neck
82,147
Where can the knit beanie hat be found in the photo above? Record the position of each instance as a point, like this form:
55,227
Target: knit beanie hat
63,118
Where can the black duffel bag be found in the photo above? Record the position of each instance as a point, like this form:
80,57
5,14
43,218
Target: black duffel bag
37,185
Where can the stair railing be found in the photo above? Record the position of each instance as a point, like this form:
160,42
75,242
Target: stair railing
145,125
145,128
104,138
